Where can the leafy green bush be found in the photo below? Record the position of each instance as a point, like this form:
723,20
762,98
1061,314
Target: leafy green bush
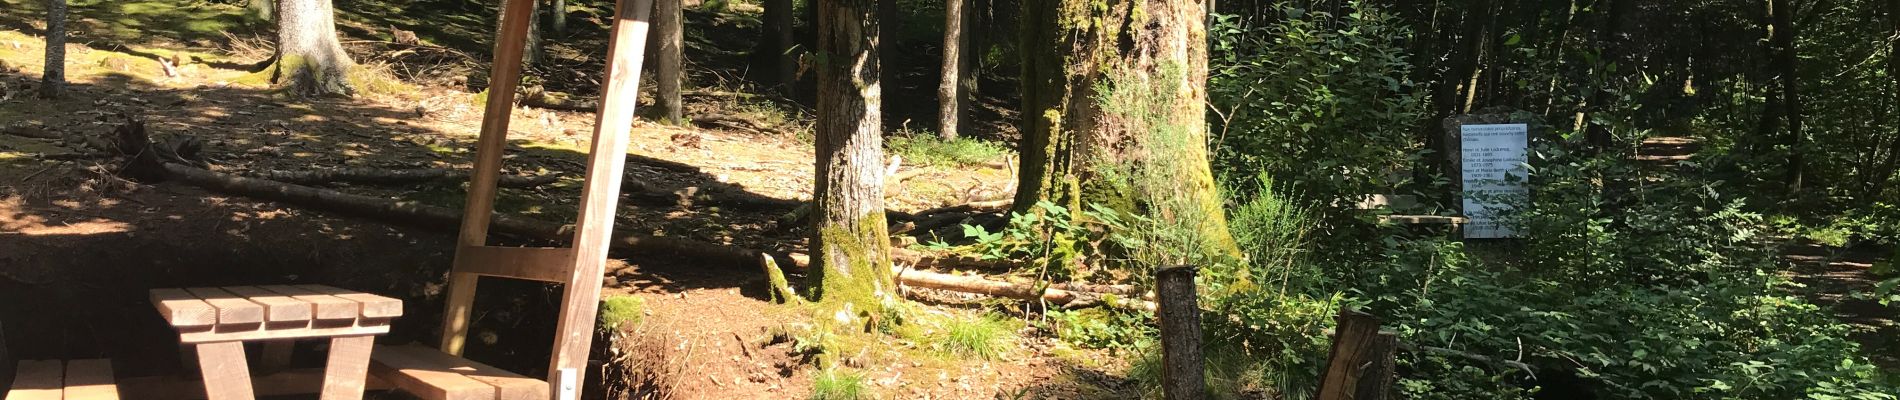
1319,100
1050,238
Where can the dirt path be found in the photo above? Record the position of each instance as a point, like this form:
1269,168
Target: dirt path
1835,277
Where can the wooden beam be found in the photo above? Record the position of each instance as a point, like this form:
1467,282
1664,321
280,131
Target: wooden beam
325,307
226,375
580,300
347,368
293,382
278,307
373,306
504,77
364,327
508,385
417,376
234,312
546,264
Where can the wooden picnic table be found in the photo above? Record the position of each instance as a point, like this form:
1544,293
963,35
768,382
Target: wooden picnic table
218,320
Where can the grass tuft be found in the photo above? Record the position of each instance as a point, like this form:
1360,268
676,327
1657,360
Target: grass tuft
927,150
839,384
975,337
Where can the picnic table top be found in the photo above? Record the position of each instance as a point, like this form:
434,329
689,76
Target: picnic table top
243,313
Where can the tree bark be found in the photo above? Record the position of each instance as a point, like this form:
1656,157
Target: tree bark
778,36
849,244
309,58
531,53
53,77
264,10
1112,99
559,10
949,103
669,41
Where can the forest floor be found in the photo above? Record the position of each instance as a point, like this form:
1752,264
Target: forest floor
81,244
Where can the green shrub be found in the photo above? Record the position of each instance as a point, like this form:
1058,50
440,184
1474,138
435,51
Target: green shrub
982,338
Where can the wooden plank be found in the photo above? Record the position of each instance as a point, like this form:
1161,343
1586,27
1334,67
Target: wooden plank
508,385
429,381
327,307
347,367
234,312
380,327
181,309
374,306
457,307
225,374
546,264
90,380
37,380
278,308
1361,364
600,195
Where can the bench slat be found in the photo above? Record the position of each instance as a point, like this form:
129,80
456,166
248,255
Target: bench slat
278,308
420,377
37,380
233,311
508,385
373,306
328,308
90,380
182,309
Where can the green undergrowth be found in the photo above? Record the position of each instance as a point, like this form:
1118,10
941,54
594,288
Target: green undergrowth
929,150
839,384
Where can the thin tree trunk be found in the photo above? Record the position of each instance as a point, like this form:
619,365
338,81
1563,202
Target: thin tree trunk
53,77
668,40
1781,16
1122,112
850,247
309,58
778,37
887,57
970,63
560,16
949,103
1893,72
531,54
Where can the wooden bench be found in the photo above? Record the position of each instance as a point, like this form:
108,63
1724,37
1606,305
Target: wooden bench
433,375
64,380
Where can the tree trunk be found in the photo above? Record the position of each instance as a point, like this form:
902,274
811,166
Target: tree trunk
1118,118
1783,31
669,41
531,53
949,103
850,247
889,23
970,62
1893,72
560,16
778,37
53,77
309,58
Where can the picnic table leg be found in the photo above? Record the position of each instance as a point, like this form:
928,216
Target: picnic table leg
348,367
226,375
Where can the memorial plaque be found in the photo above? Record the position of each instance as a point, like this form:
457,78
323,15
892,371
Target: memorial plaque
1495,173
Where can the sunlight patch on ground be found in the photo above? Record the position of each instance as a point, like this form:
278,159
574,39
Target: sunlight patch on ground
14,219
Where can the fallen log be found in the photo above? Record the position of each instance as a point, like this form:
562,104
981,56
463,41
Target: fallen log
983,286
378,176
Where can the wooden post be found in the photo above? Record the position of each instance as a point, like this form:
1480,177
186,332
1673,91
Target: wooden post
1182,374
503,79
593,229
1361,365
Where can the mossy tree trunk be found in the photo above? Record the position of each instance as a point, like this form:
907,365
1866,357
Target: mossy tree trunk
668,43
309,58
949,101
53,77
1114,112
531,54
850,246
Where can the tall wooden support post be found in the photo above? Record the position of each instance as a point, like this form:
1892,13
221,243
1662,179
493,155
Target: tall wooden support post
593,229
1361,365
1182,371
481,187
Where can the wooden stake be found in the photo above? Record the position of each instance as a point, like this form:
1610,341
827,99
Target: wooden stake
1361,365
1183,376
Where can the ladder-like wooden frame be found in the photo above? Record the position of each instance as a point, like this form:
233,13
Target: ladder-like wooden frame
579,267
